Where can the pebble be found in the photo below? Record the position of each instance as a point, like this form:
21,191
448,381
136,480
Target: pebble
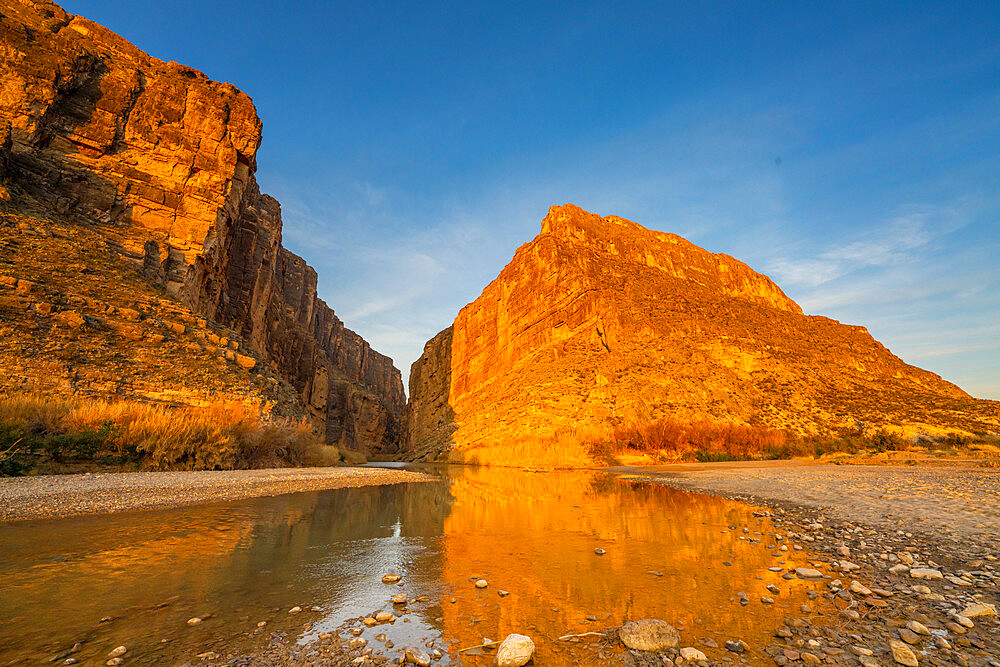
503,593
735,646
481,583
979,610
909,636
417,656
692,654
963,620
117,652
918,627
808,573
399,598
384,617
390,578
599,551
902,654
295,610
859,588
194,621
925,573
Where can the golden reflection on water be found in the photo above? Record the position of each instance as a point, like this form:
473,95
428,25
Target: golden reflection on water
532,534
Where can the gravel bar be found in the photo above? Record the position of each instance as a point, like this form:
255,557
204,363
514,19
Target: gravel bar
56,496
947,504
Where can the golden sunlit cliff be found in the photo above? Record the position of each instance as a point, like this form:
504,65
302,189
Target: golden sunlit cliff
600,322
115,153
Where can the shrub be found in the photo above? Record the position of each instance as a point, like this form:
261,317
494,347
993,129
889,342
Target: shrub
882,441
221,435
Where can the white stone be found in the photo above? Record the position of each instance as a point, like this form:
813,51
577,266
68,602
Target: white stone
515,651
692,654
417,656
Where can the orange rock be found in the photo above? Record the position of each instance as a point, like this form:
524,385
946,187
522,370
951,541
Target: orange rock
90,125
600,322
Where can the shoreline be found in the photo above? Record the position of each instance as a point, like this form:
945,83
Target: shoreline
62,496
943,504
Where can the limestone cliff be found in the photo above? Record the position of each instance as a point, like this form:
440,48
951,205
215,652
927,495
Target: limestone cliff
162,158
600,321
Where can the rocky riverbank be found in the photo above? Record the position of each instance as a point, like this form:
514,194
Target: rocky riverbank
56,496
909,558
886,593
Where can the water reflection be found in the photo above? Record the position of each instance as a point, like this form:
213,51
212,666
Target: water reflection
531,534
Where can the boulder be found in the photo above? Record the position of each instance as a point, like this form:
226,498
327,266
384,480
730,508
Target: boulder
649,635
515,650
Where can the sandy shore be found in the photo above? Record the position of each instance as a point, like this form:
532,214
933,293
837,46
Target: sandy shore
54,496
948,504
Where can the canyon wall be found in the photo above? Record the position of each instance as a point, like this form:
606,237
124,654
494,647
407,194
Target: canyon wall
162,159
600,322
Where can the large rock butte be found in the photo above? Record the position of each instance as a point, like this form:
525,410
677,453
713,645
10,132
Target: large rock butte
162,158
599,321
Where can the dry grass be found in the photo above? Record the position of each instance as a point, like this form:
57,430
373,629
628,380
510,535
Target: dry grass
37,430
701,439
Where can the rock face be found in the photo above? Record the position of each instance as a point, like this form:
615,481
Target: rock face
430,420
599,322
163,158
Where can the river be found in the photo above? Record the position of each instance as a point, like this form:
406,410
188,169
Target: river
136,579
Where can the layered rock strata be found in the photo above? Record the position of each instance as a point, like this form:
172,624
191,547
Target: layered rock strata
163,159
599,322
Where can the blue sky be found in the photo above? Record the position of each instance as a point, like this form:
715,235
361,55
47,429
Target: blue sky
851,151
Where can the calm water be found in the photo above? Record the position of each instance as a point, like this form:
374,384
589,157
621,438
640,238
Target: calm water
532,534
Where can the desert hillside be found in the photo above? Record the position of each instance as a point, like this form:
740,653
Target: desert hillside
134,232
600,322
